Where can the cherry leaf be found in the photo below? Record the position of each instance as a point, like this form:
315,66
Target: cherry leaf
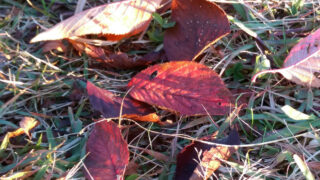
302,65
108,152
185,87
109,105
188,166
117,19
199,23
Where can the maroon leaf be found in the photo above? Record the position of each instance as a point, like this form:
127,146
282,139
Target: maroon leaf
189,164
302,65
108,152
184,87
109,105
199,23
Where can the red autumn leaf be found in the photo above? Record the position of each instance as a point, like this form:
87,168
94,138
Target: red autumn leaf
189,166
185,87
302,65
199,23
108,152
109,105
116,20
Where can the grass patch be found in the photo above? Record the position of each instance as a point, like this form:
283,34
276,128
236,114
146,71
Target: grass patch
41,85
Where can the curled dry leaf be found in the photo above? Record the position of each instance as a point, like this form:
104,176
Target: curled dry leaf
302,65
93,51
54,45
109,105
115,20
188,166
26,124
199,23
108,152
185,87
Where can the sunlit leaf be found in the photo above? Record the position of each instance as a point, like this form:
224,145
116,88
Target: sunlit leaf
115,20
302,65
185,87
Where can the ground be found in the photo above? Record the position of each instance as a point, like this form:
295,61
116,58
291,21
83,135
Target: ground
275,143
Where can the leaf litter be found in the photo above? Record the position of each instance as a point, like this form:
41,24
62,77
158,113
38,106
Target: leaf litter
112,105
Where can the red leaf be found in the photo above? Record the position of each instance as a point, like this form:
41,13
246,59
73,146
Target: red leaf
185,87
108,152
117,20
109,105
187,167
302,65
199,23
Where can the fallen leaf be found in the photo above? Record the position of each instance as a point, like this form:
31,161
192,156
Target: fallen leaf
28,123
302,65
115,20
117,60
108,152
109,105
199,24
123,61
184,87
54,45
92,51
188,166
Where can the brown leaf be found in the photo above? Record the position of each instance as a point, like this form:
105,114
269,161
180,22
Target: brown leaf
188,168
109,105
185,87
117,20
199,23
54,45
108,152
302,65
26,124
123,61
109,60
93,51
